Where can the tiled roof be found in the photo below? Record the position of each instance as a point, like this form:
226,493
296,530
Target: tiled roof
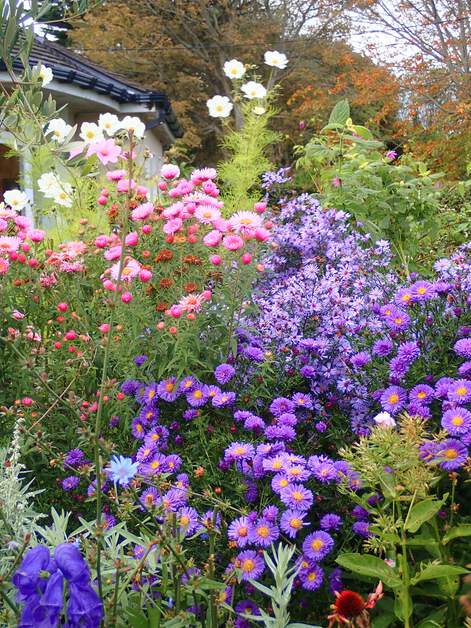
70,67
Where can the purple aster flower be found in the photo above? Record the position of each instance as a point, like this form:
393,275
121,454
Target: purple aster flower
254,423
279,482
254,353
307,371
150,394
324,472
280,432
240,531
138,429
452,454
362,528
297,496
359,360
398,321
442,386
393,399
212,391
270,513
224,373
264,533
383,347
331,521
150,498
428,450
302,400
317,545
187,519
155,465
421,394
321,426
311,577
287,418
463,347
74,458
465,369
139,360
276,463
168,389
223,399
292,521
173,500
239,451
460,391
149,414
190,414
130,386
187,384
146,452
241,415
173,462
157,436
297,472
422,291
70,483
408,352
246,607
403,296
280,405
416,409
360,513
198,396
251,565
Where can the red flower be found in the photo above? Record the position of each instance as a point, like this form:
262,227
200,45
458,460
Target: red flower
349,604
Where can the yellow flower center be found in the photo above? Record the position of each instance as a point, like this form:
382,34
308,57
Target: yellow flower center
457,420
312,576
451,454
421,290
393,398
421,395
317,544
169,387
295,523
184,520
462,390
284,483
277,464
297,495
263,531
243,531
239,451
197,394
248,565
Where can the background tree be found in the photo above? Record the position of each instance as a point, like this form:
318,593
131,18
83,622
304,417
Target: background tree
180,47
431,39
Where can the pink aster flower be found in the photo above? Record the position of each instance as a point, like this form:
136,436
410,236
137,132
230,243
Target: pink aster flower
207,214
3,225
23,222
232,242
8,244
36,235
4,266
172,226
106,151
204,174
74,248
124,185
142,211
169,171
113,253
213,238
245,222
130,270
191,303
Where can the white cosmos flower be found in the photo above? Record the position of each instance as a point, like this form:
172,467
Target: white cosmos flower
48,184
384,419
15,199
90,132
219,106
63,195
134,125
59,130
109,123
45,74
276,59
253,90
234,69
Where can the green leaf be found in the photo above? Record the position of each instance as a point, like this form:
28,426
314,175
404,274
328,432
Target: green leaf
340,113
431,572
457,532
422,512
435,620
370,566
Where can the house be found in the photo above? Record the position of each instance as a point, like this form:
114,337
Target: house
88,90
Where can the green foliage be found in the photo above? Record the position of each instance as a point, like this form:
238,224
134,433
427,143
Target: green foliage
396,200
405,526
247,158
